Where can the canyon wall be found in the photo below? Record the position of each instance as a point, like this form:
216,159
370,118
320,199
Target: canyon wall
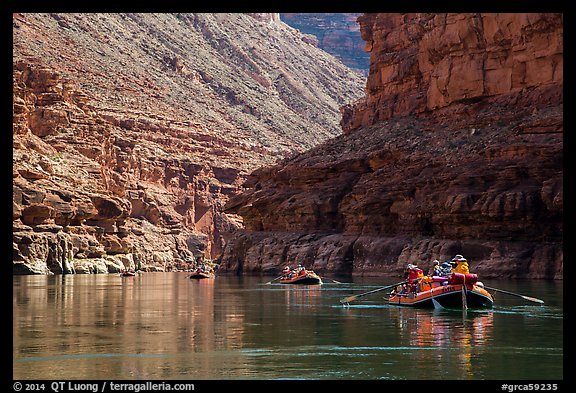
335,33
425,62
457,148
131,131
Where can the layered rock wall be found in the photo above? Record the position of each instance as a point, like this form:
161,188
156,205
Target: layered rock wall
131,131
337,34
89,196
424,173
424,62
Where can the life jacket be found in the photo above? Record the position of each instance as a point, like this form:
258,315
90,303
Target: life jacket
462,268
435,271
414,274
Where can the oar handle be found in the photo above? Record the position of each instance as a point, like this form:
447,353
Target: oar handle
270,282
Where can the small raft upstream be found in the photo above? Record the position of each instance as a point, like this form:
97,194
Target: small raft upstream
306,277
198,275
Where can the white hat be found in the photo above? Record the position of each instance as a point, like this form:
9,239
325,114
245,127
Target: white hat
457,257
410,266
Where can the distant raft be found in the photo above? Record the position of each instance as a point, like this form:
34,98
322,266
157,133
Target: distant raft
197,275
307,277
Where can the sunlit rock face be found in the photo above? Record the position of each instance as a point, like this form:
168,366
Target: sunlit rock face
131,131
425,62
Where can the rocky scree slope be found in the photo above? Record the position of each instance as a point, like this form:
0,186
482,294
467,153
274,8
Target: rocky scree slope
131,131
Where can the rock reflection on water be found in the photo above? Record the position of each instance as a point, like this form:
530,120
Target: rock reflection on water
106,326
166,326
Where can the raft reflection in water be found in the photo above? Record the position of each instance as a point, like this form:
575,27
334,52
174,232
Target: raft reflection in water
465,335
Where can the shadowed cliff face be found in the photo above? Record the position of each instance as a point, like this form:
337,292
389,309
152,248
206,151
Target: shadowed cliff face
474,168
131,131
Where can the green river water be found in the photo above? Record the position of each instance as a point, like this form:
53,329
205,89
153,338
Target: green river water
164,326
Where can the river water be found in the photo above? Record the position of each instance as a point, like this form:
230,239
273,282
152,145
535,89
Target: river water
164,326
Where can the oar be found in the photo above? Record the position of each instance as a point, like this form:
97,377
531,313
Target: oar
437,305
271,281
531,299
354,297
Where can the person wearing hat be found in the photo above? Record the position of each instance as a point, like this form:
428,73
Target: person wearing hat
435,269
414,275
445,269
454,261
461,265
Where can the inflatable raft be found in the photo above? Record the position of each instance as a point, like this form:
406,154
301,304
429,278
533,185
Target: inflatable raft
304,277
197,275
457,291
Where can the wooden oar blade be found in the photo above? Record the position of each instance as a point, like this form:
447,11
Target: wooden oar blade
533,299
348,299
437,305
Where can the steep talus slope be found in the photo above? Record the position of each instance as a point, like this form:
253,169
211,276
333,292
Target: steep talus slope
423,172
131,131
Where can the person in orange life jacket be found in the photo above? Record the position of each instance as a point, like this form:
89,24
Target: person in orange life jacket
461,264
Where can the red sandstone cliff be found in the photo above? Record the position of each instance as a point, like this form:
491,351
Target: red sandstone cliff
131,131
425,62
457,148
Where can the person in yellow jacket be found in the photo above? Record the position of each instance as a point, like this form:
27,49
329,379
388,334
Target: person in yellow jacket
461,265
